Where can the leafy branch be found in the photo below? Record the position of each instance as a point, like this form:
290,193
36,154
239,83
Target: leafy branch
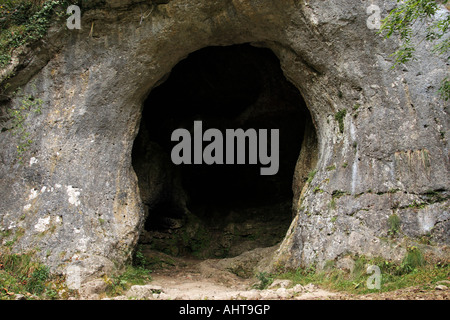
410,13
22,22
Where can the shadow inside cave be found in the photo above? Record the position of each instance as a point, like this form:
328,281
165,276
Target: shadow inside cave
217,211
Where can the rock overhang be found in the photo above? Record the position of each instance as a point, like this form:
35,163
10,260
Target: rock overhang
93,85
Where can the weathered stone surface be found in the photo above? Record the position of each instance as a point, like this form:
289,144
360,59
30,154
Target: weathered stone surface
92,289
144,291
278,283
76,195
346,264
19,297
251,295
86,269
298,288
246,264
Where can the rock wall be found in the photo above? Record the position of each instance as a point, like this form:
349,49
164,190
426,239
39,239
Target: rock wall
382,134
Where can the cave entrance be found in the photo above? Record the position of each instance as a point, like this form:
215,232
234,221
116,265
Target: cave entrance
214,211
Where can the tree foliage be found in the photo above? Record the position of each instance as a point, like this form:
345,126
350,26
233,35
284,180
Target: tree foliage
412,15
22,22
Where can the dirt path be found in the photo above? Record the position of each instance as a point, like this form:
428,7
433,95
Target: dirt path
184,279
207,280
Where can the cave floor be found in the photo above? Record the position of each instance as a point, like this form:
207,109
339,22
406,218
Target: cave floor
186,278
183,278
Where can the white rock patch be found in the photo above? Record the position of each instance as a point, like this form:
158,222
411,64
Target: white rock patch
73,194
42,224
33,194
33,160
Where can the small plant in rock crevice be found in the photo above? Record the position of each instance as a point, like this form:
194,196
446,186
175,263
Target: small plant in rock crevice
339,117
311,175
394,224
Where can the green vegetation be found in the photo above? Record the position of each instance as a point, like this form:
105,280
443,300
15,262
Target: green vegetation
413,271
28,104
434,196
394,224
265,280
413,260
417,205
139,259
355,109
426,238
409,13
429,197
444,91
23,22
133,275
136,273
17,235
332,204
339,117
336,194
150,262
311,175
317,189
331,168
20,274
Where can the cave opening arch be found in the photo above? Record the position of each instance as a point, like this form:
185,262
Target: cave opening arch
216,211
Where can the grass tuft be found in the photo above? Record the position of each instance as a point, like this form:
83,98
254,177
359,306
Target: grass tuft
413,271
21,274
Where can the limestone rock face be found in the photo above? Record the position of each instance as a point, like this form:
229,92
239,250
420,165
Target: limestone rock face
75,195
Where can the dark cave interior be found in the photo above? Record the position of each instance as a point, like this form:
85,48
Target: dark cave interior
191,209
